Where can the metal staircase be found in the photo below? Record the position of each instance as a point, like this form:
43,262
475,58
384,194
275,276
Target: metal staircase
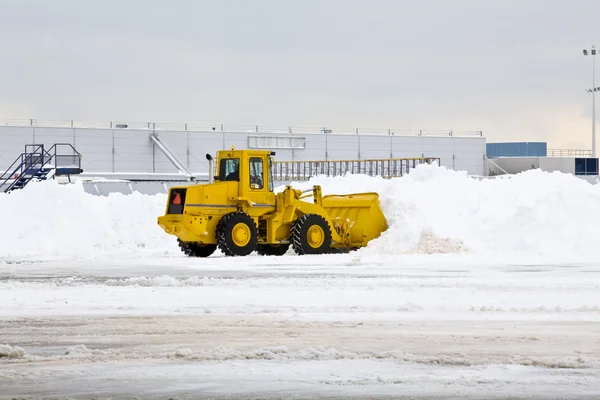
41,164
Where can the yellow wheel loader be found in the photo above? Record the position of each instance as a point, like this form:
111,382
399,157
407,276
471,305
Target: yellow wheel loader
238,212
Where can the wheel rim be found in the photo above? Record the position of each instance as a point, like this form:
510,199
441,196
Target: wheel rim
241,234
315,236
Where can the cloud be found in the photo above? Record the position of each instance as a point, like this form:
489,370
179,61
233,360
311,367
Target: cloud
512,69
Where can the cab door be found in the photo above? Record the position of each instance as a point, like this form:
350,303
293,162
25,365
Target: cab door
258,180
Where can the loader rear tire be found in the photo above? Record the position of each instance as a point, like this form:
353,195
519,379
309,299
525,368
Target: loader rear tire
196,250
272,249
236,234
311,234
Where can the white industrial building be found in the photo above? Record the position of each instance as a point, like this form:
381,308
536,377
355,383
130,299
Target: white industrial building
115,150
152,157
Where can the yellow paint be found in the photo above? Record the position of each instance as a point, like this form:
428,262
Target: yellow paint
241,234
315,236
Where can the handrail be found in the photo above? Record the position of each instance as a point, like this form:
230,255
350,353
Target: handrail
55,148
21,160
27,159
40,155
2,177
569,153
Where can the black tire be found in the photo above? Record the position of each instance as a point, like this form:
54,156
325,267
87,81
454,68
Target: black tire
229,242
196,250
302,233
272,249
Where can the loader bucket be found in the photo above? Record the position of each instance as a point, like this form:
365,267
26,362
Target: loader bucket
362,213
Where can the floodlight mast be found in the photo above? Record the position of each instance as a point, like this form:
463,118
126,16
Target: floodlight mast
593,91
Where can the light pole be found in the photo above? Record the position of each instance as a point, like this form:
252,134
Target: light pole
593,91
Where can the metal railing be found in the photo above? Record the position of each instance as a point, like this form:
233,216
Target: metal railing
209,127
569,153
36,158
386,168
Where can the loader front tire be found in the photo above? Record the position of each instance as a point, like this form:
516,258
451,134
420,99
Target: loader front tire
236,234
311,234
196,250
272,249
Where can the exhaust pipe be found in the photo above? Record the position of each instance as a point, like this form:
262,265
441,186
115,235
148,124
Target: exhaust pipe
211,168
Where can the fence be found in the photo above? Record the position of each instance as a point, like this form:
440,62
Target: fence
386,168
569,153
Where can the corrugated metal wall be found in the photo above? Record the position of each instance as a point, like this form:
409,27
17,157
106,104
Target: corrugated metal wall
517,149
131,150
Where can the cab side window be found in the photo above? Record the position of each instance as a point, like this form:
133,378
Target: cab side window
256,173
229,170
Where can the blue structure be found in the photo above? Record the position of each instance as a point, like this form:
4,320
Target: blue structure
586,166
37,163
517,149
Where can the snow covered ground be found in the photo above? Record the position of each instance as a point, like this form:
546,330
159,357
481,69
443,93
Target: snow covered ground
478,288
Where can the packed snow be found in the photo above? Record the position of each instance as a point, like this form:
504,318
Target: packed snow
484,287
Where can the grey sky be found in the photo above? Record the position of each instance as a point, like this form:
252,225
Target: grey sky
513,69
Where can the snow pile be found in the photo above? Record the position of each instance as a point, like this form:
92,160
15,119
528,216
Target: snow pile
48,219
78,349
8,351
429,211
430,243
314,353
82,351
222,353
436,210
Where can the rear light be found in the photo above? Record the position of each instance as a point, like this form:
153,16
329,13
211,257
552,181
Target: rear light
177,199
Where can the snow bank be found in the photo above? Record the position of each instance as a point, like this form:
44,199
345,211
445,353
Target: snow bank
437,210
48,219
316,353
431,210
8,351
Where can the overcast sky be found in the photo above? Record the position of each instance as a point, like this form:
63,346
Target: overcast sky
511,68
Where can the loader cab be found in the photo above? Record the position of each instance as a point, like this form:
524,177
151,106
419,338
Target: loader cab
252,169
